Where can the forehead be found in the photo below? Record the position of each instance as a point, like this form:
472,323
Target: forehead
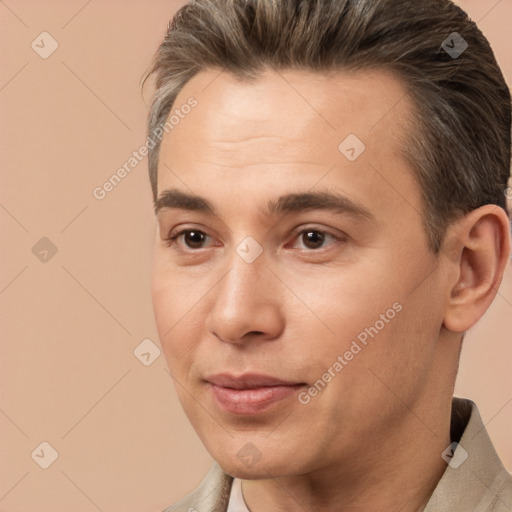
289,127
338,100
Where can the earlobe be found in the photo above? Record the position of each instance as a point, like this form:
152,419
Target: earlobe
483,244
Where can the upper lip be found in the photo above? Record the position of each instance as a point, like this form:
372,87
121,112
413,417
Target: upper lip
247,381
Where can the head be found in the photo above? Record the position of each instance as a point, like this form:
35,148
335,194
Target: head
331,212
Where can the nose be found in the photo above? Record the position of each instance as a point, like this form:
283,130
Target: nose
246,303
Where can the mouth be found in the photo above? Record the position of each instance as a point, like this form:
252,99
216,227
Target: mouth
250,393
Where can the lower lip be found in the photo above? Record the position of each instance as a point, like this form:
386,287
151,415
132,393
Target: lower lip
251,401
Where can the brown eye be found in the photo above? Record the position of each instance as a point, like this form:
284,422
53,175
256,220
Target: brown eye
193,239
313,239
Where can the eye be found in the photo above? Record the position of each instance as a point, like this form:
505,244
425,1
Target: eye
192,238
313,239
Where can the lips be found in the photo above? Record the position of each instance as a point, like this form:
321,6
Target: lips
247,381
250,393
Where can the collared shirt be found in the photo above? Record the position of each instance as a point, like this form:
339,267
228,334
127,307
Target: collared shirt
236,498
474,480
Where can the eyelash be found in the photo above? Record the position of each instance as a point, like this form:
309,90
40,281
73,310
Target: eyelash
171,240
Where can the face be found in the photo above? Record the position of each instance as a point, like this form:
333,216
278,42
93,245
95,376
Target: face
296,299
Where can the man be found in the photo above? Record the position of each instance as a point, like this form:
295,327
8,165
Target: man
329,180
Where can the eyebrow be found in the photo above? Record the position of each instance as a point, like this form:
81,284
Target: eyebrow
293,202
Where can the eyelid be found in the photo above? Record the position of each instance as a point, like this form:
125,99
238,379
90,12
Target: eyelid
342,237
173,236
171,239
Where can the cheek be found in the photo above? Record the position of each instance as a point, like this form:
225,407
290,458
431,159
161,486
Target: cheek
175,318
397,356
346,306
173,293
367,317
163,304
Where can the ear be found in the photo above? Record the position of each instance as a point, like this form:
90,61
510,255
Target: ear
479,248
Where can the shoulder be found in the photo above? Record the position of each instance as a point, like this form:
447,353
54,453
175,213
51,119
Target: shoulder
211,495
503,498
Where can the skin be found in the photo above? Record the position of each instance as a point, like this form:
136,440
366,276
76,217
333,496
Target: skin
372,438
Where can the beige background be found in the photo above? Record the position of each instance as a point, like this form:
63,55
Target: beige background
70,325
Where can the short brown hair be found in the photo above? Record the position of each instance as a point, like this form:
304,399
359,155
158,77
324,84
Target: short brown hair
460,146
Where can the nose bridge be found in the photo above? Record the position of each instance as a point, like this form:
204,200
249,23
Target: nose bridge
243,285
244,300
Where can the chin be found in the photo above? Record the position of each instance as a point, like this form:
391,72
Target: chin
249,463
244,473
